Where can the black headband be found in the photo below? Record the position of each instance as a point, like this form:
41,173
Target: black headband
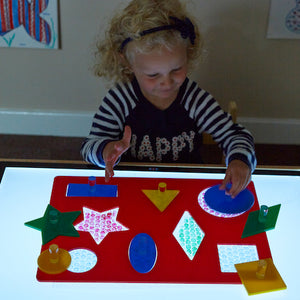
185,27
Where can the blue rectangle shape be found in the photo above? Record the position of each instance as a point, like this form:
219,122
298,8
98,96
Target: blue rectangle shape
85,190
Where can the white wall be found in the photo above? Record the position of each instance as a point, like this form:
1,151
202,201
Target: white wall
53,92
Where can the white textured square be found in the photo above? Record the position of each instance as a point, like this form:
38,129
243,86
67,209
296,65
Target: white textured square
229,255
188,234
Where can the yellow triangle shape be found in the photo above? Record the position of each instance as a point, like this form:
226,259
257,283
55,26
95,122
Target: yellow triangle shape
161,197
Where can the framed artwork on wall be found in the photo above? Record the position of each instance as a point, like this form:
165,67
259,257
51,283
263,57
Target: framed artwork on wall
29,24
284,19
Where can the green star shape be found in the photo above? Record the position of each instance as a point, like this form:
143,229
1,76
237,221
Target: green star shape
55,223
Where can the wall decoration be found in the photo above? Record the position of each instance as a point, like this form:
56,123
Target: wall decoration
29,24
284,19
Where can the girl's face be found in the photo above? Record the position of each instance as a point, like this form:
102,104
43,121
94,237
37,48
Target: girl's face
160,74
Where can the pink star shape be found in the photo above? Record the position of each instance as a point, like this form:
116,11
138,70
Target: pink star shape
100,224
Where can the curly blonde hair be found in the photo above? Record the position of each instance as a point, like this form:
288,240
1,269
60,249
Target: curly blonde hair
138,16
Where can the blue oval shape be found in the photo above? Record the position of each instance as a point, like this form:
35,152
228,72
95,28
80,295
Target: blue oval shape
142,253
219,201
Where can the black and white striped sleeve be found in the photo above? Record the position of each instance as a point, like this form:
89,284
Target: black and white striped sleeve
108,123
235,141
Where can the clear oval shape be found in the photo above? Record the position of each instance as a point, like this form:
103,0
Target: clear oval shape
82,260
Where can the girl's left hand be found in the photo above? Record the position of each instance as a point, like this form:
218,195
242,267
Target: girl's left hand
239,175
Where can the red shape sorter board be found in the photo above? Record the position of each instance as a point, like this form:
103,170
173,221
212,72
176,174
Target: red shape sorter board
140,215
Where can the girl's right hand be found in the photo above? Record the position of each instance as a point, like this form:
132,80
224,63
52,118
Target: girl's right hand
113,150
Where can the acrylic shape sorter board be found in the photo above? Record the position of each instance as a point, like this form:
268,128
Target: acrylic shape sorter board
137,214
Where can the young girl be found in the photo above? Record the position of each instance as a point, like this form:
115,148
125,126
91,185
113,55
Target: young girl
154,112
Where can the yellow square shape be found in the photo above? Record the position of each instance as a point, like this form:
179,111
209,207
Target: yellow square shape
272,280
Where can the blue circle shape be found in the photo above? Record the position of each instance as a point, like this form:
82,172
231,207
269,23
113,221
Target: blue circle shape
142,253
217,200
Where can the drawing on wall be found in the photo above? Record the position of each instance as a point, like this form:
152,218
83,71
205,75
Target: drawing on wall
284,19
29,24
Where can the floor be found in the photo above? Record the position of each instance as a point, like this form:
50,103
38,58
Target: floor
67,148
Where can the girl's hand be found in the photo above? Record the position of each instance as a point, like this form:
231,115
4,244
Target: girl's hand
239,175
113,150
